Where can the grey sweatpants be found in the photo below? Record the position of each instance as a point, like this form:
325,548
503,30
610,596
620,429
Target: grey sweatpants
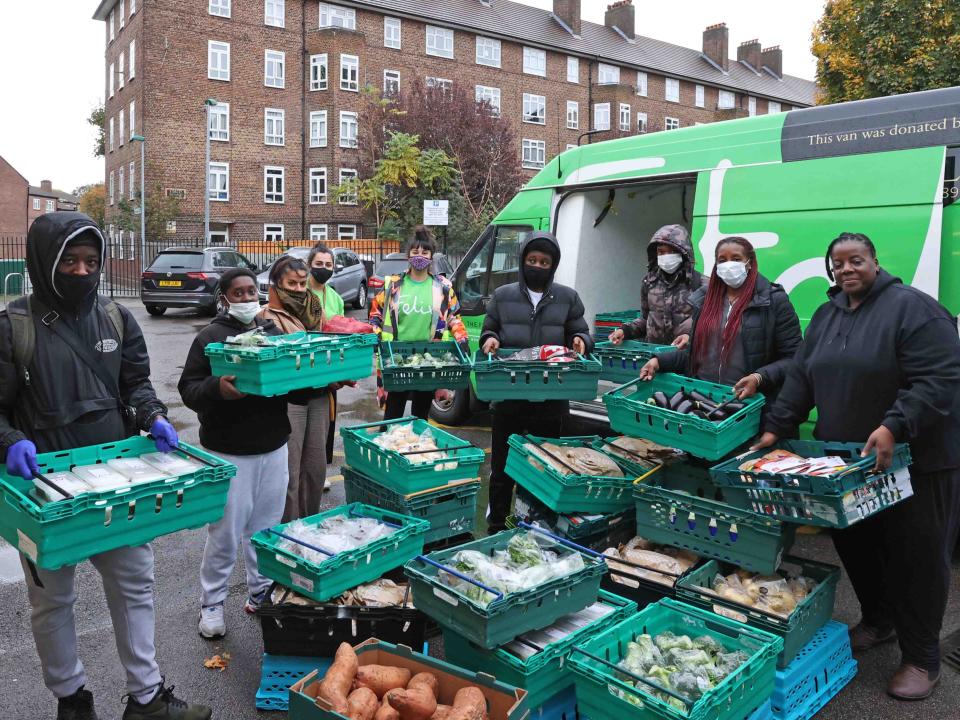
307,447
254,502
127,575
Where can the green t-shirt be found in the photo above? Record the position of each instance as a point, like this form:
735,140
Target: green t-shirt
331,300
415,310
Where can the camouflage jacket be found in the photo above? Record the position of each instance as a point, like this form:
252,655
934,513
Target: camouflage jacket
666,312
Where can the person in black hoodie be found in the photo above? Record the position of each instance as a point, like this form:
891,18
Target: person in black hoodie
247,430
74,371
881,364
533,311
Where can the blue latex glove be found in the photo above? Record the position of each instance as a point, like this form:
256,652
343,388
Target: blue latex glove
22,459
164,435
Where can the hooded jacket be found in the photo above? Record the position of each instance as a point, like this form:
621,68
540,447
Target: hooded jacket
253,425
557,319
894,360
58,401
666,312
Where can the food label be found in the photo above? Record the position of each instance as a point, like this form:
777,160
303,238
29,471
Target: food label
301,582
286,561
446,597
728,613
27,546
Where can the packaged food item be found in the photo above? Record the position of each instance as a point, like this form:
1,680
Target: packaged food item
65,480
135,470
660,564
379,593
418,449
526,645
171,464
643,451
101,477
549,353
783,461
343,325
334,534
573,459
777,594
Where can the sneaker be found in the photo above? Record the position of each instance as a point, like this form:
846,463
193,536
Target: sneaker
78,706
212,625
254,602
165,706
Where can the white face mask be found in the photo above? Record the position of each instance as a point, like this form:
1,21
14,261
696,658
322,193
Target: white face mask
733,273
244,312
670,263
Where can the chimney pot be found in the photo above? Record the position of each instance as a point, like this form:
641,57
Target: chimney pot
749,52
622,15
569,12
716,45
772,59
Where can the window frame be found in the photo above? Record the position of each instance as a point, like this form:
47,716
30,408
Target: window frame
220,52
770,106
332,10
667,122
112,137
726,100
613,71
270,173
321,118
51,206
628,125
394,75
480,95
353,142
351,173
316,173
223,169
596,108
436,31
282,16
348,62
574,122
530,53
528,99
342,226
575,67
279,61
130,179
121,127
111,71
392,23
669,83
642,118
540,146
700,96
751,106
110,189
220,5
132,54
496,58
131,117
316,236
445,84
273,115
215,112
271,233
317,61
36,203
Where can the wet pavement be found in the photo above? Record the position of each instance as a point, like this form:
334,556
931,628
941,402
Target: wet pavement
181,651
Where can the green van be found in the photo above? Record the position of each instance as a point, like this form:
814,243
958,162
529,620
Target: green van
788,182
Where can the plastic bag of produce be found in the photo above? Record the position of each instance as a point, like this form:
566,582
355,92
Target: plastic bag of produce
343,325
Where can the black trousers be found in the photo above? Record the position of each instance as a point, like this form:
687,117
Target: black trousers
899,564
544,419
420,401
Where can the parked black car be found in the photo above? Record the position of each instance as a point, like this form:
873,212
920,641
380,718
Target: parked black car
187,278
396,263
349,275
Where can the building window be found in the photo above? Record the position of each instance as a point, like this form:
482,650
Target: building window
52,205
726,100
346,232
110,190
220,7
274,12
442,83
273,233
608,74
318,186
112,26
534,109
700,99
348,129
439,41
318,128
273,184
751,106
625,117
133,118
274,68
350,73
534,153
573,115
133,7
220,122
336,16
641,122
273,121
120,184
318,72
111,136
347,174
218,60
123,134
36,203
219,180
601,116
318,233
133,59
773,107
391,82
535,61
488,51
490,95
133,169
110,78
672,90
670,123
573,70
120,72
391,32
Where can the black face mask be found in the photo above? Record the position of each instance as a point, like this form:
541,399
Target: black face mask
77,288
321,274
536,278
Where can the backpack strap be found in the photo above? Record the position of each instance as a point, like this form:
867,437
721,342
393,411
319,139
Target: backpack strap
23,331
113,312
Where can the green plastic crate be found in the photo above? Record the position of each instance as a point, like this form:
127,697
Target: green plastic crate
636,465
621,363
797,629
631,414
396,471
858,472
402,379
316,361
343,570
679,506
506,616
451,509
68,531
583,529
545,673
599,685
617,318
566,493
535,380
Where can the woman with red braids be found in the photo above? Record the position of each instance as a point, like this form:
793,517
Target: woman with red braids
744,332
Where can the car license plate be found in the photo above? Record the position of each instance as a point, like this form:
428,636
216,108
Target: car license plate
170,283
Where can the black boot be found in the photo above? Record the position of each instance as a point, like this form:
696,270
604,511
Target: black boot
165,706
78,706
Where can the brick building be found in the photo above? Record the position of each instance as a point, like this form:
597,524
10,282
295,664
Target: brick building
13,200
286,76
46,198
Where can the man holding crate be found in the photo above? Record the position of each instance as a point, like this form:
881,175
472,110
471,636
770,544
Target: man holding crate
74,371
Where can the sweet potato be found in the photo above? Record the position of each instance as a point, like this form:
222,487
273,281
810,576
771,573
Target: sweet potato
428,679
419,700
338,681
468,704
442,713
386,711
362,704
381,678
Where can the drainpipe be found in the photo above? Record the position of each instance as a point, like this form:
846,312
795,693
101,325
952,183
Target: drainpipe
304,233
590,99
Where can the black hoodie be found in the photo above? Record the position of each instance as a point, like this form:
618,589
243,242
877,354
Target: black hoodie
251,426
894,360
64,404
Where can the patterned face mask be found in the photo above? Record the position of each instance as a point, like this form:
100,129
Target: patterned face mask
419,262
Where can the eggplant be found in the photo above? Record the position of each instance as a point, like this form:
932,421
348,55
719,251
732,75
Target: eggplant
734,407
661,399
676,399
700,397
685,407
706,405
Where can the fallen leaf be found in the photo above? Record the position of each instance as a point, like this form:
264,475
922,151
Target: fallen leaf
217,662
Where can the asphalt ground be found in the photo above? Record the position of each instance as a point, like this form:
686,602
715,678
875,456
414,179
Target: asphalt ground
181,651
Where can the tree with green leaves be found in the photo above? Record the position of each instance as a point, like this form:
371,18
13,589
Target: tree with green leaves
93,202
97,118
871,48
161,208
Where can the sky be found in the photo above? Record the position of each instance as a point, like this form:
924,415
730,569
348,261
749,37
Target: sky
52,54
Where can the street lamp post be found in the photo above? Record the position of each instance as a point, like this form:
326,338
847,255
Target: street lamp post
209,103
143,200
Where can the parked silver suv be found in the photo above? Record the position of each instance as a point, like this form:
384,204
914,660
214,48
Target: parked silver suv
349,275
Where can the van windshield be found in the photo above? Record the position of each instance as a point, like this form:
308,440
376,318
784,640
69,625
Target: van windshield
494,264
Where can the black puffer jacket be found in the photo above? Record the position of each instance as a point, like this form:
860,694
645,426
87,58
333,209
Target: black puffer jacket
769,331
557,319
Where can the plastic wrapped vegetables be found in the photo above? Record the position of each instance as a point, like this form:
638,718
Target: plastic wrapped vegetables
524,564
773,593
418,449
334,534
426,359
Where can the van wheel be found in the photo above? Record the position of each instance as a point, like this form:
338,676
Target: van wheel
156,310
454,411
361,302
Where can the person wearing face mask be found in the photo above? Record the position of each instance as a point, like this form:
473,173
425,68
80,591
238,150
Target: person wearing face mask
74,371
416,306
532,311
744,329
320,263
665,291
247,430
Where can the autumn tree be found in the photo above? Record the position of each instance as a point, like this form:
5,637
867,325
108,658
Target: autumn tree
97,118
161,208
870,48
93,202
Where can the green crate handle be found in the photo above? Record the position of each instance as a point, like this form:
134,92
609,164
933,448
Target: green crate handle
682,698
561,540
378,423
460,575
